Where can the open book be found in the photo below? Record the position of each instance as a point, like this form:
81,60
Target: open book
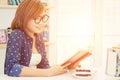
76,58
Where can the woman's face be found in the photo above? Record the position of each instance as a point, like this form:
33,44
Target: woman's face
36,25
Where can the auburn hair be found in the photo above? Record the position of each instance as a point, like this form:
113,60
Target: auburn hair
28,9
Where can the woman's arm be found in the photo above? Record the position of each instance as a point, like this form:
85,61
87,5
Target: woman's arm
54,70
12,66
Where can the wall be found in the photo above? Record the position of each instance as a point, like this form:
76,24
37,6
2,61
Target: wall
2,56
74,28
102,15
106,27
111,25
6,16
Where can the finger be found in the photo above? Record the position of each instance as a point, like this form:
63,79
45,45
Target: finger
66,65
65,62
74,65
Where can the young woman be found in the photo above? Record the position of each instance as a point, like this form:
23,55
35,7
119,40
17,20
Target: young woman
25,53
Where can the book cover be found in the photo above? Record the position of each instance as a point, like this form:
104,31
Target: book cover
16,2
76,58
118,64
113,62
9,2
13,2
19,1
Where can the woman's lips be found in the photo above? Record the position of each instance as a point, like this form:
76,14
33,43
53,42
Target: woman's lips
38,27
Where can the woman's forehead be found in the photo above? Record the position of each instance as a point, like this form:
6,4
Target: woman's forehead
43,13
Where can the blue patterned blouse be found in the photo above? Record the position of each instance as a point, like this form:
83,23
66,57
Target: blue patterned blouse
19,50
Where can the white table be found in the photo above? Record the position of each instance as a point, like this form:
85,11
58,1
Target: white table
99,75
66,76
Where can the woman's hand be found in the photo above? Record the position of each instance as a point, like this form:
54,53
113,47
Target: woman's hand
71,66
74,65
57,69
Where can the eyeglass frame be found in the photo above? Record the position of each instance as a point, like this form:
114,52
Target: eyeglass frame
41,18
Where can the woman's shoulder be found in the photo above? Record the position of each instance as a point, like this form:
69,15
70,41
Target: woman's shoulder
17,32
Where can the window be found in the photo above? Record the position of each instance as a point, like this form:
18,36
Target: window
74,28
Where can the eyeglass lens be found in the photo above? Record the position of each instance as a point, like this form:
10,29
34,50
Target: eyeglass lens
43,18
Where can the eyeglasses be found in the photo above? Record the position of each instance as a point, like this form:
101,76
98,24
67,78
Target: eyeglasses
43,18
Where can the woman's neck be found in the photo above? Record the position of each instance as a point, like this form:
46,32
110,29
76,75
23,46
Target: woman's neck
31,34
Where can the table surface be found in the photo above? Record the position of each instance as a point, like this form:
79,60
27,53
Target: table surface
99,75
65,76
